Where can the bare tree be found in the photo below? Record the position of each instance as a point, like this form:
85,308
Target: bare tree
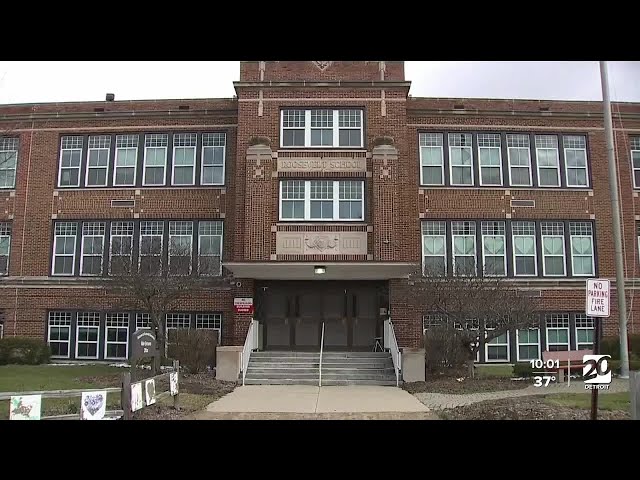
154,288
474,307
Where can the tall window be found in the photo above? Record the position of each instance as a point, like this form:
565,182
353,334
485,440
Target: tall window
585,329
150,261
210,321
5,247
180,247
92,248
210,248
635,161
321,128
59,335
121,251
64,248
124,173
575,157
329,200
553,263
87,335
557,331
98,161
116,346
548,162
528,344
519,160
184,159
524,248
155,158
494,249
70,160
213,153
460,159
431,159
490,158
497,349
434,249
463,239
582,262
8,162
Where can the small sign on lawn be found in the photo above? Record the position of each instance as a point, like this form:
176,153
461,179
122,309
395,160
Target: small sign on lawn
598,290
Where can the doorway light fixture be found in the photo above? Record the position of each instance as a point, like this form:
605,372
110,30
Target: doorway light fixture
319,269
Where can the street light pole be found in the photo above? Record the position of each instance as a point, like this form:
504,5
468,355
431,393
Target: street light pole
617,230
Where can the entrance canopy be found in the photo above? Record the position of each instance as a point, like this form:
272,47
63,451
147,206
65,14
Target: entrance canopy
313,270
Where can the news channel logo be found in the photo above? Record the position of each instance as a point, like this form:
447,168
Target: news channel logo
596,372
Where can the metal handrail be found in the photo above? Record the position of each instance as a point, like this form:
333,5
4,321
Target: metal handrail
391,342
321,349
250,344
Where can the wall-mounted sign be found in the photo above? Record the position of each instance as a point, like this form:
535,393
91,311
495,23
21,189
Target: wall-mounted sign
143,344
598,290
243,305
322,164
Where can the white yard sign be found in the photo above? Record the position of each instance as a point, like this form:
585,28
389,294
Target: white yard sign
598,297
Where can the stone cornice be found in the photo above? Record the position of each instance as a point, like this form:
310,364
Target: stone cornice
422,112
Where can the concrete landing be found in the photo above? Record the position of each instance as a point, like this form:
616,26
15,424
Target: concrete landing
306,401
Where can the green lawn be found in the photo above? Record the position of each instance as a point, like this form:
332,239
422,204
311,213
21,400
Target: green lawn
607,401
494,371
24,378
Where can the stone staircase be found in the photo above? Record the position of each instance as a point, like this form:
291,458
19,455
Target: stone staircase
338,368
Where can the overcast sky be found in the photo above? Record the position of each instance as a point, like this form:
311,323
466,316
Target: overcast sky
25,82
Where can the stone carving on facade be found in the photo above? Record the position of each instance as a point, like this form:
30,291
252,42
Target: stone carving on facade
322,65
321,242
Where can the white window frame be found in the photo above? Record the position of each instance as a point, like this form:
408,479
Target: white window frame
154,138
91,320
635,150
1,330
59,319
213,138
441,235
471,328
216,320
5,233
528,149
469,148
555,325
101,140
72,149
586,161
85,227
547,147
535,250
201,224
119,226
9,147
504,244
475,249
564,253
335,128
55,244
180,226
336,202
590,237
429,139
116,321
488,345
181,138
481,139
581,320
527,344
161,235
129,143
143,319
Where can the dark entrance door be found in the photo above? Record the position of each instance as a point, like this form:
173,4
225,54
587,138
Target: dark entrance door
292,314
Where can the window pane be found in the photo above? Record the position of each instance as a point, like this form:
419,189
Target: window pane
183,175
491,176
434,265
461,176
554,265
124,176
525,266
549,177
519,176
576,176
432,175
293,138
494,265
553,246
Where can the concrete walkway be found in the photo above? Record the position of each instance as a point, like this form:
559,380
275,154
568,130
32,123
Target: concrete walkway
310,402
438,401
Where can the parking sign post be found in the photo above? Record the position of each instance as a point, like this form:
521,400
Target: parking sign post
597,306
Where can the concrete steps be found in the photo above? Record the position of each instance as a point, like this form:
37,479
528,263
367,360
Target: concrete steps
338,368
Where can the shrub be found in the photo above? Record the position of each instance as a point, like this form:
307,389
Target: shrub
23,351
194,349
634,365
443,349
611,346
522,370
